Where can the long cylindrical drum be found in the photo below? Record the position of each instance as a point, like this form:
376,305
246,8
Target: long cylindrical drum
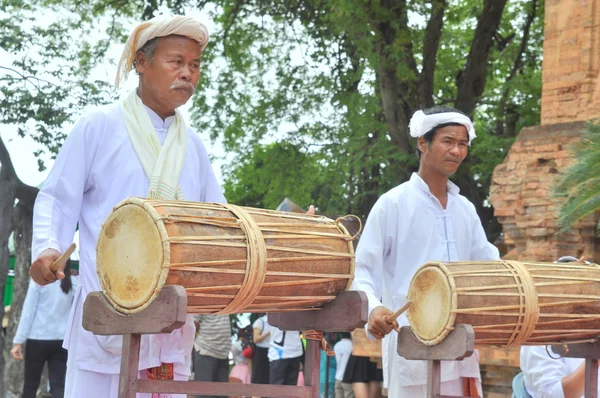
230,259
506,302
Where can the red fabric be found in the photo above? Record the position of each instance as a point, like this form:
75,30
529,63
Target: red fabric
470,387
247,352
162,372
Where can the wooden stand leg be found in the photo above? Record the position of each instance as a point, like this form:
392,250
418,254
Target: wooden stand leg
128,379
433,378
591,378
312,369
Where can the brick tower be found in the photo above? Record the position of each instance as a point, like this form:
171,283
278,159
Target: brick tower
520,190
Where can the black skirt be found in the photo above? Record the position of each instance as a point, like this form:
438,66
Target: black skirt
361,370
260,366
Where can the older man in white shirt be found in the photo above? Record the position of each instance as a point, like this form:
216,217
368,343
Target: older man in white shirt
424,219
137,147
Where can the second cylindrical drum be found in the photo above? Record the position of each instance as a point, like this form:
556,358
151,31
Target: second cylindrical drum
506,302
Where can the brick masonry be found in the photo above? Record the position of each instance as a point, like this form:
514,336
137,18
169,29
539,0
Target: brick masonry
522,199
571,86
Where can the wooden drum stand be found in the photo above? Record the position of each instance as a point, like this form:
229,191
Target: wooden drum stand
168,312
459,344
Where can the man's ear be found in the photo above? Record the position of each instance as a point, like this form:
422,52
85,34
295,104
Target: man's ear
421,144
141,62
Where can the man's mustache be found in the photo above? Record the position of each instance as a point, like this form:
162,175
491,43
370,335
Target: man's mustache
183,85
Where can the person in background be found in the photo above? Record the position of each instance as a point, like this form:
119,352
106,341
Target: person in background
242,353
285,356
211,348
42,329
343,350
260,358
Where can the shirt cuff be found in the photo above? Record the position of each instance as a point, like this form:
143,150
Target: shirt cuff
18,340
50,244
373,303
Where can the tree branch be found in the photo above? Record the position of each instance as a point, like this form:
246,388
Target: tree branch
470,83
430,48
5,161
234,14
516,67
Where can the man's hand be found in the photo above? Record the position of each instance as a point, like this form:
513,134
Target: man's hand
311,210
16,352
40,270
378,326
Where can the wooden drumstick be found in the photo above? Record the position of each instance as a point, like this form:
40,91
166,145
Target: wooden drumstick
390,319
63,258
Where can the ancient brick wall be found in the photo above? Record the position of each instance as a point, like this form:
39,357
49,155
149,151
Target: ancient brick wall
520,194
571,86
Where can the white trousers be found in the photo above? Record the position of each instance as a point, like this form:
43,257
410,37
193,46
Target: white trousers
86,384
451,387
101,385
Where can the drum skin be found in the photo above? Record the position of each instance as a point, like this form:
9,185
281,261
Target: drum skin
506,302
229,259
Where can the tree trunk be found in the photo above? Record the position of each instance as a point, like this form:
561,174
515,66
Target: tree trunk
470,83
399,96
19,219
13,371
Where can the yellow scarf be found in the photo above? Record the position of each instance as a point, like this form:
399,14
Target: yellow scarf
162,164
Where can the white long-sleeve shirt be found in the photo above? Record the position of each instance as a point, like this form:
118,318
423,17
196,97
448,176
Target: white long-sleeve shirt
95,169
45,312
543,375
343,350
406,228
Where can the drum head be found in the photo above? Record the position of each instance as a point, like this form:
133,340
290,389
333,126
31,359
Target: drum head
431,297
130,258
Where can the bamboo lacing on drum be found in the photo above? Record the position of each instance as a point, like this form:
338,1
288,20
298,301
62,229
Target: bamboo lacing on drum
252,302
527,315
256,266
538,273
318,336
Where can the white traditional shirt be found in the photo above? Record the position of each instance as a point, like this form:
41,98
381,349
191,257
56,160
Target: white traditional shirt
407,228
95,169
542,374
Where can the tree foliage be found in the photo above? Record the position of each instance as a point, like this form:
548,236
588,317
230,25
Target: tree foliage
579,183
340,79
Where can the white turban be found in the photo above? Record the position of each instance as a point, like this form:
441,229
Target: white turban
158,27
420,123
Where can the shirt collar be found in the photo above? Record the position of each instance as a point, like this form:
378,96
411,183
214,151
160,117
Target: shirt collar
157,121
418,182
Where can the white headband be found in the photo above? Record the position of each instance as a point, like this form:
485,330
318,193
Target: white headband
420,123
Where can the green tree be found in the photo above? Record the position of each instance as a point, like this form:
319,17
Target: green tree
344,77
579,183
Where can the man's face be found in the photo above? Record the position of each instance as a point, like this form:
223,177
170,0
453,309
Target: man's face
173,73
447,150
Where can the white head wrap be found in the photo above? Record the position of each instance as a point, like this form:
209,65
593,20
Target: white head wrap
420,123
158,27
